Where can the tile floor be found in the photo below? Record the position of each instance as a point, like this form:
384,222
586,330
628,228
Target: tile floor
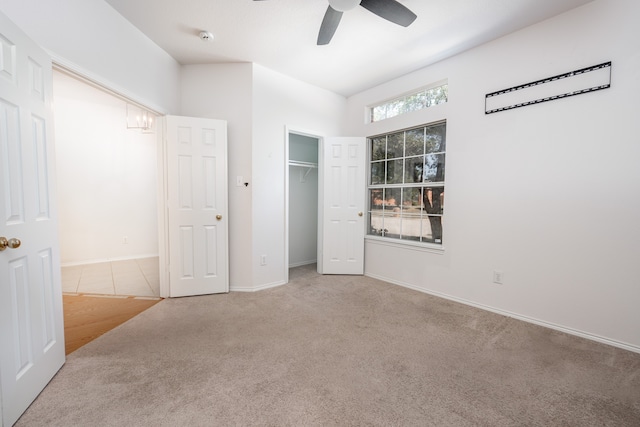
136,277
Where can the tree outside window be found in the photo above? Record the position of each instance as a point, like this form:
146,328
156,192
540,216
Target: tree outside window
424,98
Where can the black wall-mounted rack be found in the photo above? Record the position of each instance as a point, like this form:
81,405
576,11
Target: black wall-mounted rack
604,85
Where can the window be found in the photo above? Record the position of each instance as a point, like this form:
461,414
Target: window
406,184
424,98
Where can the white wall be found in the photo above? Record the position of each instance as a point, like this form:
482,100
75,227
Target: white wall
224,91
279,102
258,104
106,177
94,40
549,194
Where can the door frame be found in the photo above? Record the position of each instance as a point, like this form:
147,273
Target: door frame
74,71
163,205
297,131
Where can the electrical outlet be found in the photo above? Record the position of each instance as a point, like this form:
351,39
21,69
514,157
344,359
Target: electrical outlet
498,277
263,260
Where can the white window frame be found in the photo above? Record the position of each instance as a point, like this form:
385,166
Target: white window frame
397,241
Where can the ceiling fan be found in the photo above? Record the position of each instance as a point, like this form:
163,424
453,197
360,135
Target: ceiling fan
390,10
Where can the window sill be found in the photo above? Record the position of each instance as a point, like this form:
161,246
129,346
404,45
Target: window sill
406,244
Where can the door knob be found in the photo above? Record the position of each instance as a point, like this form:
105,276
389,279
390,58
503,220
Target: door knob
359,213
9,243
218,217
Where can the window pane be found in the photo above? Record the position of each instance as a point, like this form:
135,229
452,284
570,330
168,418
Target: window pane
378,113
436,138
433,168
433,200
377,173
413,169
441,94
392,199
394,171
394,108
432,229
395,144
414,142
376,199
392,224
437,95
430,98
411,227
411,201
376,223
414,102
426,230
378,147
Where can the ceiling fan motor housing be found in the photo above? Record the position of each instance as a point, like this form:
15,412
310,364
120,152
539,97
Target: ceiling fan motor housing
343,5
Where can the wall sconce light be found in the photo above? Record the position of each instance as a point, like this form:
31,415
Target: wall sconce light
139,118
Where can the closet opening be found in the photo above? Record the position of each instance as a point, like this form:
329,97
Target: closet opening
302,192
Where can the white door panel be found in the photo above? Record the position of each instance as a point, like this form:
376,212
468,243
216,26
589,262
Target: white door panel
31,322
197,205
343,219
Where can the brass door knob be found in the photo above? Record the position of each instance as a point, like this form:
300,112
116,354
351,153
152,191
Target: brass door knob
12,243
218,217
359,213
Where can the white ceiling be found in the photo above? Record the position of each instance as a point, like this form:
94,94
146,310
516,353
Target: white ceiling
365,51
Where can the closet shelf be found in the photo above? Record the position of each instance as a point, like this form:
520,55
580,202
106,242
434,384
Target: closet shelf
307,165
303,164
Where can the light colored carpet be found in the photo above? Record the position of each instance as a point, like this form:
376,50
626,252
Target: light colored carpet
337,351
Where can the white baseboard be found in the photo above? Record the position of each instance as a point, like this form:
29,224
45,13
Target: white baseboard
570,331
301,263
258,288
97,261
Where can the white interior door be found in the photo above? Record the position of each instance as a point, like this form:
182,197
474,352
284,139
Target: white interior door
31,322
343,206
197,206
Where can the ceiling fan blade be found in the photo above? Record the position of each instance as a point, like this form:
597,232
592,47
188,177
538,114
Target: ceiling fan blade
390,10
329,25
